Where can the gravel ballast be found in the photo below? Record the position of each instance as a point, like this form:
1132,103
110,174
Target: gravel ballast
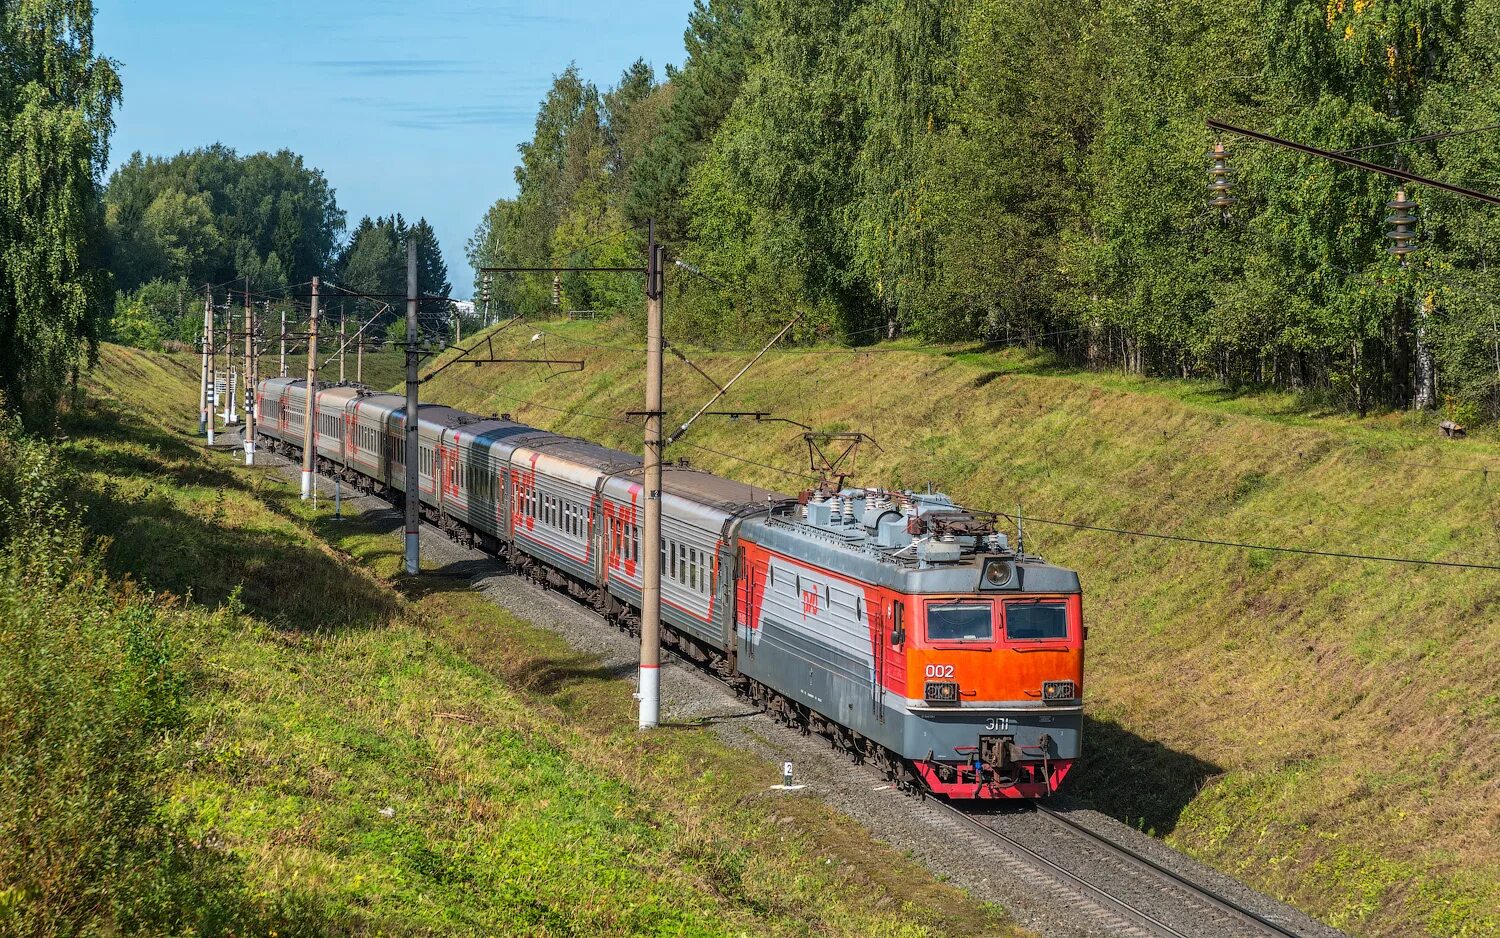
919,828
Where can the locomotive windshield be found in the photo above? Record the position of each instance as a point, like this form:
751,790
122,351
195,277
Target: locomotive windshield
1036,621
961,622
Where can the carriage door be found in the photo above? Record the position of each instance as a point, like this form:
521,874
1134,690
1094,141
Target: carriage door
448,472
749,585
882,650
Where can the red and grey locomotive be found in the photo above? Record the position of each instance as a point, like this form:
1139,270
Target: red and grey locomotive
896,623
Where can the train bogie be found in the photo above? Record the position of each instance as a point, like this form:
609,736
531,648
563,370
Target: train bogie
899,624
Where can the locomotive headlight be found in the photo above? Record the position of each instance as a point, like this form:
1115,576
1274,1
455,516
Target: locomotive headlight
940,692
1059,690
998,574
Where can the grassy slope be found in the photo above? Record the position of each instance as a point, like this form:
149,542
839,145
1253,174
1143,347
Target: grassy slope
1325,728
373,761
382,368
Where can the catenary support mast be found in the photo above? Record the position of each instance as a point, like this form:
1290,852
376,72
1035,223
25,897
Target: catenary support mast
413,494
310,415
250,376
205,395
650,679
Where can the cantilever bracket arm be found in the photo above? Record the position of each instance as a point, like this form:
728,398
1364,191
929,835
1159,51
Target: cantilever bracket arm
759,416
677,434
690,363
488,344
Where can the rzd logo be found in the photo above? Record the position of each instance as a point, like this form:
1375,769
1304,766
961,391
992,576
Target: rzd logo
809,602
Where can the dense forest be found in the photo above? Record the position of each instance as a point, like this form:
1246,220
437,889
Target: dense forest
1035,172
211,216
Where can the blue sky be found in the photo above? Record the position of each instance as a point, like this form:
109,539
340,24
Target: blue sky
411,107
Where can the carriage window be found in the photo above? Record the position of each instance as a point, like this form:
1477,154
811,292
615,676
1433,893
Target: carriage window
1036,622
961,622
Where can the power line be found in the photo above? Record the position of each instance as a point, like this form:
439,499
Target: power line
630,423
1425,138
750,462
528,403
1241,545
1102,529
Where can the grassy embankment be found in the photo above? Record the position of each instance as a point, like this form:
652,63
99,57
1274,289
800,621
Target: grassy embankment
1325,728
285,742
382,369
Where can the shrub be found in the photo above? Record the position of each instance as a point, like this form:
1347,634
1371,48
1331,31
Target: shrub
93,675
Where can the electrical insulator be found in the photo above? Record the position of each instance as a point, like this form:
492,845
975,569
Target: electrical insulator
556,290
1218,179
484,289
1403,222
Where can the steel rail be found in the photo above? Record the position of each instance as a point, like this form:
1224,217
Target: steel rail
1227,906
1108,900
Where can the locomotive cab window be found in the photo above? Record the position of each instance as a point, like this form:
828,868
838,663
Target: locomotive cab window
960,622
1036,621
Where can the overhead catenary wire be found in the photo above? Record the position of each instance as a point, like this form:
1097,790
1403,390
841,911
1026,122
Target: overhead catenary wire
1243,545
1095,528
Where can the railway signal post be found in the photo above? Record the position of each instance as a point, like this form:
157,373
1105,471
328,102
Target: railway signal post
309,436
650,681
413,498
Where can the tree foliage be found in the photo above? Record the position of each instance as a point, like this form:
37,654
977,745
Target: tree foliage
373,262
1031,171
57,99
210,216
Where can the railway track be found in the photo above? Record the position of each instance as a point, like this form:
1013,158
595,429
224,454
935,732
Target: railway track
1129,894
1144,898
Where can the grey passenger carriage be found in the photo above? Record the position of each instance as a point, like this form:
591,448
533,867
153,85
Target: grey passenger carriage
897,623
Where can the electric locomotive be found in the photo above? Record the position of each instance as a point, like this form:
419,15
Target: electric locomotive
900,625
910,622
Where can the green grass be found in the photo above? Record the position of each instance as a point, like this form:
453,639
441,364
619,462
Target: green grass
348,754
382,369
1325,728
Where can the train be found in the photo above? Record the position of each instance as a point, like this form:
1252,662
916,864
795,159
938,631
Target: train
898,624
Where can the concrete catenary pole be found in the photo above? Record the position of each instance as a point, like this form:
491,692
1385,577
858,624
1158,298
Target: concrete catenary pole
283,341
342,343
205,402
650,679
359,356
230,417
413,495
309,427
250,370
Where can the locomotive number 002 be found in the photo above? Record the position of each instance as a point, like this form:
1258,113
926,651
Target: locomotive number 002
939,670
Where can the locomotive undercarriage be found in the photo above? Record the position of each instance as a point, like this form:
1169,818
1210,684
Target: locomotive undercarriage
996,762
